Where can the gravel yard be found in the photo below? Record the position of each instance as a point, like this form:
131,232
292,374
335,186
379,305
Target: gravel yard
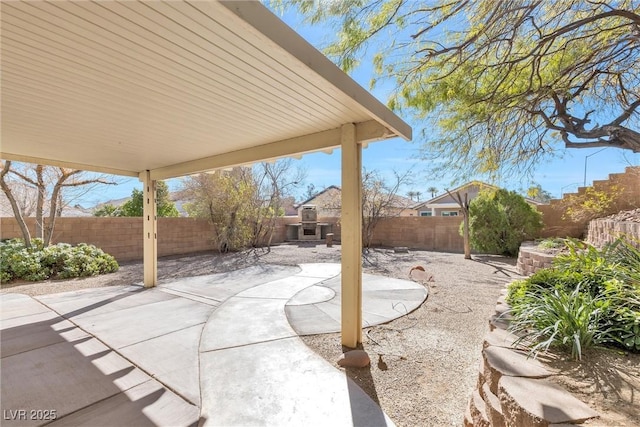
425,364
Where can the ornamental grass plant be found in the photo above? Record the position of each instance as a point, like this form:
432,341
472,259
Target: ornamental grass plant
589,298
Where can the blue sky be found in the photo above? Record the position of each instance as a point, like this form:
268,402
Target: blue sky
560,175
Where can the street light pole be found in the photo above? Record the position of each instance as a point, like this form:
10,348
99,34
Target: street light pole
584,184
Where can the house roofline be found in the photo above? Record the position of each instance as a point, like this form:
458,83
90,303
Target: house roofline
297,205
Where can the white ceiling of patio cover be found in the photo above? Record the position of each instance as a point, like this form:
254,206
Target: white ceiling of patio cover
125,87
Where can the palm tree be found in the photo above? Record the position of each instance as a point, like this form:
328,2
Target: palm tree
433,191
411,194
418,194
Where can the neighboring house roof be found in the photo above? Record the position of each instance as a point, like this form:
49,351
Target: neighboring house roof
396,201
310,199
444,200
26,202
401,202
289,206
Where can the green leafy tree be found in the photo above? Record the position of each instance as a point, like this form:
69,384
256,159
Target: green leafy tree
164,205
500,220
498,84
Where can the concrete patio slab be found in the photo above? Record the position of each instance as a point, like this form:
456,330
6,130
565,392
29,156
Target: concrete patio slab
310,320
17,305
22,334
312,295
281,383
222,286
262,320
173,359
148,404
282,289
320,270
64,377
222,350
90,302
135,324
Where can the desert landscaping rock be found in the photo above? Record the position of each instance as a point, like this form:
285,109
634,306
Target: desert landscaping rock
492,405
478,411
538,402
467,422
503,311
496,322
499,338
500,362
354,359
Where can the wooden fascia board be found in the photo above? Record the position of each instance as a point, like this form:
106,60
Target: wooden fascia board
329,139
68,165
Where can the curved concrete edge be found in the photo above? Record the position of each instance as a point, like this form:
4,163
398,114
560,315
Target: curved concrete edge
383,300
254,370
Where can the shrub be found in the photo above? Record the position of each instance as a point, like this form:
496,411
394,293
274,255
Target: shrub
560,318
590,297
623,303
57,261
499,221
552,243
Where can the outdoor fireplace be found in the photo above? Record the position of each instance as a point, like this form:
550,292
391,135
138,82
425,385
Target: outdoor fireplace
308,228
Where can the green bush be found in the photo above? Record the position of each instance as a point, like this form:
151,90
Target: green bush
623,316
590,297
552,243
499,221
58,261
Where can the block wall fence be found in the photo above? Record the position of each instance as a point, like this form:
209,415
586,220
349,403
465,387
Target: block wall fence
627,182
122,237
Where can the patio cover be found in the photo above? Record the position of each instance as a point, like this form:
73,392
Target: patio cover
162,89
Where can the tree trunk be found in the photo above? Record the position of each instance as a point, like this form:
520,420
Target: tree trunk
464,207
26,235
465,232
41,187
53,209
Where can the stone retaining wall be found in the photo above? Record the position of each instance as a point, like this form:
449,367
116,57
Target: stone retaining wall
603,231
531,259
514,390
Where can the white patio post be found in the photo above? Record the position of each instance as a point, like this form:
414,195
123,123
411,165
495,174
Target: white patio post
351,218
150,230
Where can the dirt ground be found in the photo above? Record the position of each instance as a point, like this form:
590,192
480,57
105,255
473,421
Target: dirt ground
424,365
